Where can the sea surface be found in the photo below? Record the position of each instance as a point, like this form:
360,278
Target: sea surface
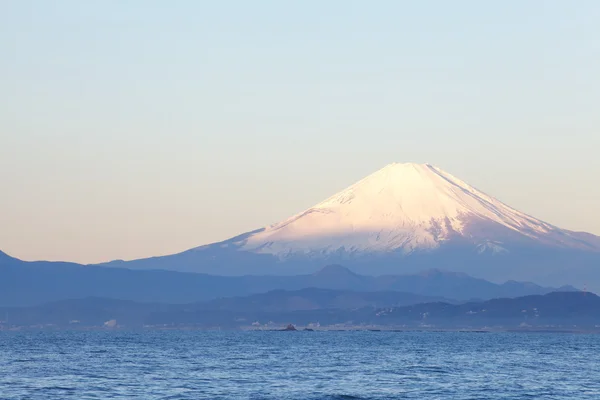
298,365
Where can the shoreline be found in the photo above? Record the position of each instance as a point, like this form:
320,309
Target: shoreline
301,329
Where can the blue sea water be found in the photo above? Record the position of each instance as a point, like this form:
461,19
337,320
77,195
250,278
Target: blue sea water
298,365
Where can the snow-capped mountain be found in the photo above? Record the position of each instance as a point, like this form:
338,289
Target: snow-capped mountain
406,208
401,219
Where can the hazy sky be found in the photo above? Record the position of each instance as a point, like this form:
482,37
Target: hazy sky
140,128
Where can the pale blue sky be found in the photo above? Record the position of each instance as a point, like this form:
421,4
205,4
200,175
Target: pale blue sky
140,128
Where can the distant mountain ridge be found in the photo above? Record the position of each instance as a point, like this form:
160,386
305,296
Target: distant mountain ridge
31,283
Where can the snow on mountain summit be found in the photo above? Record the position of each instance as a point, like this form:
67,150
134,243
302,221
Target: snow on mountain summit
404,208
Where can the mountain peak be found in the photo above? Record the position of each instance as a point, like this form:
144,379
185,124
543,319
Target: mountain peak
406,165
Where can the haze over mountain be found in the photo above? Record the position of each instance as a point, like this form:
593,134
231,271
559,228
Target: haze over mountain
401,219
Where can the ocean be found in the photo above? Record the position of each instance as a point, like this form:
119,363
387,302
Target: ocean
297,365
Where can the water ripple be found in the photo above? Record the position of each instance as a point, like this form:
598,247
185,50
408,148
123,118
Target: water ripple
186,365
